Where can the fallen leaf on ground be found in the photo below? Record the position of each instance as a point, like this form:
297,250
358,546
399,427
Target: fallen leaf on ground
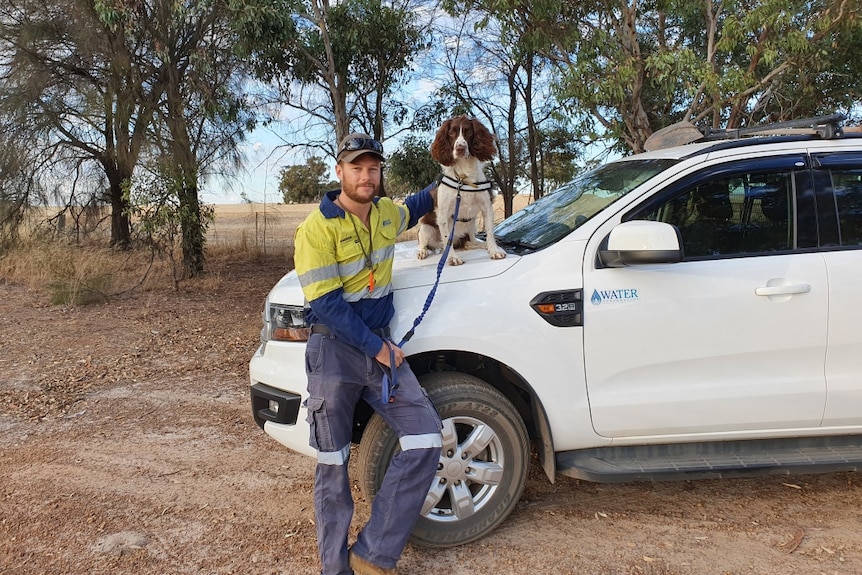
790,546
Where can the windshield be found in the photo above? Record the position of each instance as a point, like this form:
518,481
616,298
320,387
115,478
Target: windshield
569,207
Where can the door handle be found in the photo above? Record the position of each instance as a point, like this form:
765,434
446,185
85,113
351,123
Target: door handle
788,289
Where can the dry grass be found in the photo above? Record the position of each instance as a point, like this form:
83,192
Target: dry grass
77,275
75,272
78,267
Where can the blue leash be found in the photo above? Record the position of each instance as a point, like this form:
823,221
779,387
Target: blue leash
390,380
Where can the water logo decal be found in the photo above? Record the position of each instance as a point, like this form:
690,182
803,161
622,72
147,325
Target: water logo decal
614,296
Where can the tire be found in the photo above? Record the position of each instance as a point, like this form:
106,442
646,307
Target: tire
488,483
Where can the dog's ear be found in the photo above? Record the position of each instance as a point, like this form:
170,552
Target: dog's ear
483,147
441,147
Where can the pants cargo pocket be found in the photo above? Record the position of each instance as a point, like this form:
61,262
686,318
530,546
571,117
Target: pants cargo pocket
320,436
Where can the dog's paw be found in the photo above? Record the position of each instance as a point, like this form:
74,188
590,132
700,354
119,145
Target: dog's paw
422,253
497,254
455,261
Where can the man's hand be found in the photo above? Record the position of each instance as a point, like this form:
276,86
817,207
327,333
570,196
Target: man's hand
384,357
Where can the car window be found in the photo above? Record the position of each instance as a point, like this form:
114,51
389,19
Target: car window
747,213
847,190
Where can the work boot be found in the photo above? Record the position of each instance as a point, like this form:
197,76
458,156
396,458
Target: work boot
362,567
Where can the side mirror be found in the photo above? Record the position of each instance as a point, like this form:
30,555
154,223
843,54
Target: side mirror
641,242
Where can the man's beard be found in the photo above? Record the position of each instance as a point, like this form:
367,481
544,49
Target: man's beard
360,197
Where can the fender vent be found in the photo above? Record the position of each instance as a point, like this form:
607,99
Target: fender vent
560,308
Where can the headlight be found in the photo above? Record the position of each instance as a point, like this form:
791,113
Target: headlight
284,323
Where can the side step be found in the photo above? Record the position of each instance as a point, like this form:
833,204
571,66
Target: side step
713,459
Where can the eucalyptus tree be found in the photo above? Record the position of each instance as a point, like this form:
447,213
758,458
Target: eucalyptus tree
19,187
203,113
636,66
562,153
340,65
306,182
517,26
117,82
74,90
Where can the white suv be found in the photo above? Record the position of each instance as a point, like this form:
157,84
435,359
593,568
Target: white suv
691,311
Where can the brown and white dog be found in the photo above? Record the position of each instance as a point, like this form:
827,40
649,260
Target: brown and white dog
462,147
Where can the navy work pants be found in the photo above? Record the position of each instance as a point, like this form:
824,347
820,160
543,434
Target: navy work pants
339,375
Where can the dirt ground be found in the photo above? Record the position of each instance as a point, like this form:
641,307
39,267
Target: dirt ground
127,446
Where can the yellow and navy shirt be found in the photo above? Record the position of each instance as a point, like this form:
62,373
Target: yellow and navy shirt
335,255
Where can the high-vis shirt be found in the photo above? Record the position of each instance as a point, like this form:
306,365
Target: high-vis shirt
345,269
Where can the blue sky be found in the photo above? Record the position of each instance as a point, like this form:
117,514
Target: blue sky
258,180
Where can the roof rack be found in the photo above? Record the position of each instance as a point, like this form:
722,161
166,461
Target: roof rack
827,127
681,133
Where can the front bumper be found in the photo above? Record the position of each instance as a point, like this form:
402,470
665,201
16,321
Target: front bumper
277,374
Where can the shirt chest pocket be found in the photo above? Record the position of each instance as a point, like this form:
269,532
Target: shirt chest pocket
388,233
366,248
351,249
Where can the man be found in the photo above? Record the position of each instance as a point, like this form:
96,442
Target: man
344,256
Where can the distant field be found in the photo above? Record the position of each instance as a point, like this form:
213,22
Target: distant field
270,227
267,228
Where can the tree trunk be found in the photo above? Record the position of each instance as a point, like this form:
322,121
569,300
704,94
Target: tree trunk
532,130
512,164
191,226
193,238
121,227
185,173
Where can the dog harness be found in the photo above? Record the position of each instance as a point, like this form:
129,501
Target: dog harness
461,185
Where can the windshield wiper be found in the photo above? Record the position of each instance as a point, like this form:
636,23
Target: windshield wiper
516,244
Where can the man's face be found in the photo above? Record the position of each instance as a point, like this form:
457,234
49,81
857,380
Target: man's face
360,179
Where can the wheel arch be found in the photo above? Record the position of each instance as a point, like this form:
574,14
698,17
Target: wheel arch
496,374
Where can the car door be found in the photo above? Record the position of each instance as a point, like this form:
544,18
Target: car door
838,178
731,339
